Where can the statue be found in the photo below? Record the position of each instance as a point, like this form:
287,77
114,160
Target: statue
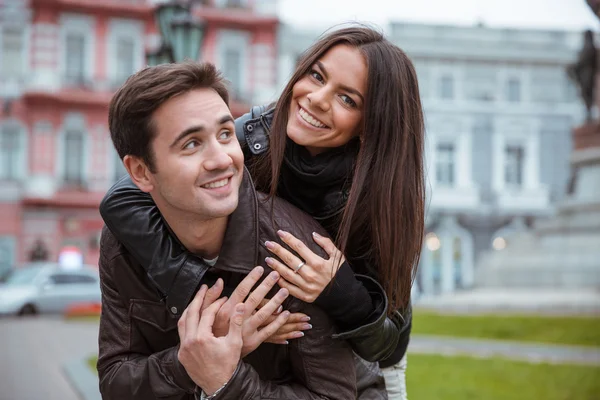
583,72
595,6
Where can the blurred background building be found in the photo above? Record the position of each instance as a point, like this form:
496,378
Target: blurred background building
499,112
61,61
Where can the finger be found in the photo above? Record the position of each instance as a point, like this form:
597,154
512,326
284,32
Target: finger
280,337
213,293
193,311
243,289
273,327
261,291
268,310
208,318
264,302
235,324
291,327
299,247
326,243
286,272
276,341
181,324
298,317
288,258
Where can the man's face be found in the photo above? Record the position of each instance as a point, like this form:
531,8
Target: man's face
199,162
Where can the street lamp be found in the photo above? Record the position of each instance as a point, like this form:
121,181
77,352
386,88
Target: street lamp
181,34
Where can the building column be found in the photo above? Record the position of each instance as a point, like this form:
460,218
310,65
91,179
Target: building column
448,284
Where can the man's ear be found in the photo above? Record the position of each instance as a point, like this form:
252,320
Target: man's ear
139,172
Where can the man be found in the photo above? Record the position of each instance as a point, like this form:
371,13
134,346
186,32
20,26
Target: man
172,127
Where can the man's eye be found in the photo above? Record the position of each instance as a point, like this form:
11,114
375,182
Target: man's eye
225,135
190,145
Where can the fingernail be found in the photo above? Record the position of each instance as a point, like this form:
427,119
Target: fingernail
315,234
286,342
274,275
305,319
259,270
203,287
269,245
269,260
279,310
286,313
298,334
306,326
282,233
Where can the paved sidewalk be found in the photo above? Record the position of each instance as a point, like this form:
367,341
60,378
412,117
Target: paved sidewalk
530,352
34,352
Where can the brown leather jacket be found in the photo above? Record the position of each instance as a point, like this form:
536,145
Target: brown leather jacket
138,337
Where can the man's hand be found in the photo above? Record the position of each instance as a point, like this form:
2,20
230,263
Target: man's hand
257,326
209,360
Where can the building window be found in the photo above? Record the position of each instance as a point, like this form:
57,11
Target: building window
74,157
514,163
125,59
13,52
513,89
9,153
75,58
445,163
232,69
447,87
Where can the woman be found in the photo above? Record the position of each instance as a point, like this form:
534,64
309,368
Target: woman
345,144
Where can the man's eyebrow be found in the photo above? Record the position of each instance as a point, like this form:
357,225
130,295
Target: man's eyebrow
199,128
343,87
187,132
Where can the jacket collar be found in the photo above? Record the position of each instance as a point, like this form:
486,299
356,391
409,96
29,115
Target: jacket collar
239,253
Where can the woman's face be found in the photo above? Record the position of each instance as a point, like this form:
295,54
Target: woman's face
327,103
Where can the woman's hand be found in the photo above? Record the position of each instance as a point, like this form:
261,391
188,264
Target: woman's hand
305,277
292,329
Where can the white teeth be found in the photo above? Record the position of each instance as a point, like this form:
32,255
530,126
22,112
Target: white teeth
308,118
217,184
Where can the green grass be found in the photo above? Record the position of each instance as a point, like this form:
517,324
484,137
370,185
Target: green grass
433,377
558,330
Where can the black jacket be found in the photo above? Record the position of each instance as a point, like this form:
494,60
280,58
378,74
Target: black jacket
138,340
361,317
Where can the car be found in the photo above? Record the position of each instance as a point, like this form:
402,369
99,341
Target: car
48,288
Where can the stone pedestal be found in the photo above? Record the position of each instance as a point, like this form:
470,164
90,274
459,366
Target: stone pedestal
563,251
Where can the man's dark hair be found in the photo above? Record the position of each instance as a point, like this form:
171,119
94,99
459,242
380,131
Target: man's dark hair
130,111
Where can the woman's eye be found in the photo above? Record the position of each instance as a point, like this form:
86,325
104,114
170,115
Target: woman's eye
348,100
316,75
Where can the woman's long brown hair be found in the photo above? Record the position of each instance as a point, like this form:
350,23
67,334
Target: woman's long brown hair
387,195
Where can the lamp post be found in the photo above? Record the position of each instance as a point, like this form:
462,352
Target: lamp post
180,32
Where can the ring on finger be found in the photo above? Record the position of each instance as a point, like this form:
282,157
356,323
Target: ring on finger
299,266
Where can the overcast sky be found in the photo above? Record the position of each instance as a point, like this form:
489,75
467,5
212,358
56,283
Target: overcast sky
553,14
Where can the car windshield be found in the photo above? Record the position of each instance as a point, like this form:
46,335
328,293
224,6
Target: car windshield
24,276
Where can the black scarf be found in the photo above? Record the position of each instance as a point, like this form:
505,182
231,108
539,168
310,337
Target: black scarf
318,185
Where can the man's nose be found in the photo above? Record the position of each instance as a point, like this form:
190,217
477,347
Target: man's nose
217,158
